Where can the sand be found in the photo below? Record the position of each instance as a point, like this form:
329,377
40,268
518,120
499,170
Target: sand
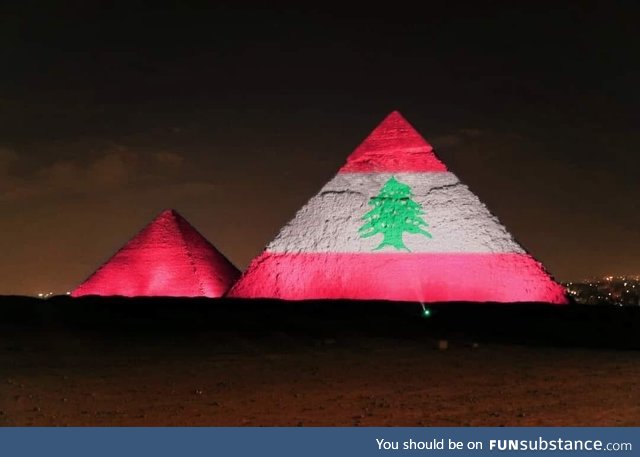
71,378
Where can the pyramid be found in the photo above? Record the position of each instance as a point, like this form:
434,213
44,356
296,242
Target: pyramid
166,258
395,224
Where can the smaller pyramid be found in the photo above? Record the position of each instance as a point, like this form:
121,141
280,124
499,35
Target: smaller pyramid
167,258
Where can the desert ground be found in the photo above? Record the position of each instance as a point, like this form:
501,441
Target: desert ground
199,370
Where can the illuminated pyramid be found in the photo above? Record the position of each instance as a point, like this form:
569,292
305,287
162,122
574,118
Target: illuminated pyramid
395,224
167,258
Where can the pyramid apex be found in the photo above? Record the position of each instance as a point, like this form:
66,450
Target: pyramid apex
395,114
395,119
169,212
393,146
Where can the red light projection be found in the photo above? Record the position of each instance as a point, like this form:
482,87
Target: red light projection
394,146
473,277
167,258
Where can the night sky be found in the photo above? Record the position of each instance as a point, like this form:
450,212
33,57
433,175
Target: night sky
235,117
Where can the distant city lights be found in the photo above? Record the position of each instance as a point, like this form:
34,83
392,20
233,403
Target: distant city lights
608,290
44,295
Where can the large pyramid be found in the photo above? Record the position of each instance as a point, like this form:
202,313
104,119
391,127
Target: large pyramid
166,258
395,224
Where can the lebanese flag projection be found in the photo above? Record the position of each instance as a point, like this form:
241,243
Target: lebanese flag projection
167,258
395,224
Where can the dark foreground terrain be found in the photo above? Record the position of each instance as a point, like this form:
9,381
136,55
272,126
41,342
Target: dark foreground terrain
207,362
